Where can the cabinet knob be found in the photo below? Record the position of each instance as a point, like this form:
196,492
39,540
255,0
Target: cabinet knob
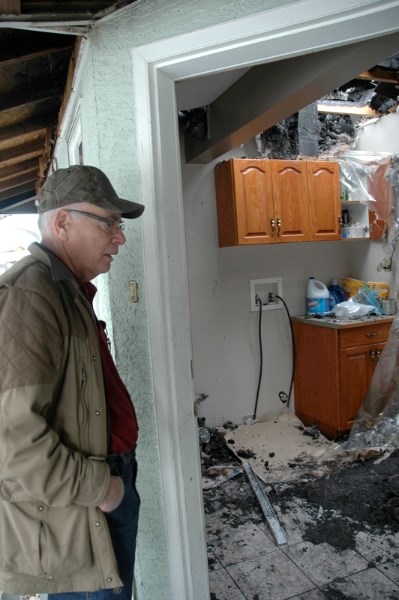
372,356
279,227
373,334
273,224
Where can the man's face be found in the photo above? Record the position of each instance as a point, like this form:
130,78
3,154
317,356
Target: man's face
92,243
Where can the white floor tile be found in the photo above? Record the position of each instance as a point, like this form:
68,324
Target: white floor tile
223,587
272,576
322,563
367,585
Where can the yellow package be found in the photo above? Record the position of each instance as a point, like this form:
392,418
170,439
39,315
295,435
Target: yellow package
351,286
379,288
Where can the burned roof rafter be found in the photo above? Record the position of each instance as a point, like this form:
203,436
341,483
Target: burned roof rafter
38,50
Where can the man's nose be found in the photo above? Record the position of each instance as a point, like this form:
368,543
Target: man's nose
119,237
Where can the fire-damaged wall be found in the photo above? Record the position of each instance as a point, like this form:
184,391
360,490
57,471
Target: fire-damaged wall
306,134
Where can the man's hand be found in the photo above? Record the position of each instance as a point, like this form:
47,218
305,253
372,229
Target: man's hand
116,491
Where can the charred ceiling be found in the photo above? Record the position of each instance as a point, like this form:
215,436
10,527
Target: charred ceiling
33,73
39,43
276,102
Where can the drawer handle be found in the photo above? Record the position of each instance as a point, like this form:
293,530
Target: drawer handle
373,334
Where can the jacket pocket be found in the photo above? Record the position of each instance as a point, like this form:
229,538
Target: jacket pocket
20,541
45,542
65,541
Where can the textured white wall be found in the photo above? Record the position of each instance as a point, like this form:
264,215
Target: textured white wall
224,330
381,135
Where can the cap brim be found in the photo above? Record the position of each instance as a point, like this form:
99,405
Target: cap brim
127,208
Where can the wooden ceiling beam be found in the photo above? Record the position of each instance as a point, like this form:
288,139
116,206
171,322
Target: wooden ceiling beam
69,81
380,74
27,187
22,179
38,89
10,7
16,135
17,155
15,101
14,170
5,62
346,108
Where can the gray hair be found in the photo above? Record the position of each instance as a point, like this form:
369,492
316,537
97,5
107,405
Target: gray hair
46,218
43,222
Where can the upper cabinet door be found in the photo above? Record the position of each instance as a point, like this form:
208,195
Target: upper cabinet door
290,201
324,202
263,201
254,201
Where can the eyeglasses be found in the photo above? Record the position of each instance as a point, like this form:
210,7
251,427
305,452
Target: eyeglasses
112,226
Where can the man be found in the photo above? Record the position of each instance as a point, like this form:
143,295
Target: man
68,501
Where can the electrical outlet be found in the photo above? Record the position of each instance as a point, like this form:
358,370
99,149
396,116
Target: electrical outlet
262,289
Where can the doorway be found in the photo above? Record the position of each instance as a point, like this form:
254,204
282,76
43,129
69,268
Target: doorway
297,29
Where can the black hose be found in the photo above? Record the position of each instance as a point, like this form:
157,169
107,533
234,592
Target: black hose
282,395
258,301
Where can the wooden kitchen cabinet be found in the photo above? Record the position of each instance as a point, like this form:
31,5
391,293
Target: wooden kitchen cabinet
273,201
334,366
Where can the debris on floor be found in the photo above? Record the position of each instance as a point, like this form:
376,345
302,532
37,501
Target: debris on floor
341,518
294,465
281,449
278,533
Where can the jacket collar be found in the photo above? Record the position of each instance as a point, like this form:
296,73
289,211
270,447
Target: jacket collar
59,270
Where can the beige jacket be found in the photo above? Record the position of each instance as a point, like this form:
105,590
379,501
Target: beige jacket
53,434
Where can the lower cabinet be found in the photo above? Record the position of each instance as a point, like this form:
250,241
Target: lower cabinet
334,367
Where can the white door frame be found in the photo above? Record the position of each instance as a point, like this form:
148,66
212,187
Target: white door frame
293,30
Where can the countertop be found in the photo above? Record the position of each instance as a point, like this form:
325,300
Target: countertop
340,323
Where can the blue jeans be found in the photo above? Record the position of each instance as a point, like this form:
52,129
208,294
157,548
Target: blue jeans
122,523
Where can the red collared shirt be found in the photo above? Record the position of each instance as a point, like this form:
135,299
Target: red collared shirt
123,428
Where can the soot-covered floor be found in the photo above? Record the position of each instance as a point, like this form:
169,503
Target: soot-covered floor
342,530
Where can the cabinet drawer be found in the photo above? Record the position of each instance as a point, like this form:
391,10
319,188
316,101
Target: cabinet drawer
367,334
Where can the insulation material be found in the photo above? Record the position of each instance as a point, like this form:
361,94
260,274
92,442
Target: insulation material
280,448
377,423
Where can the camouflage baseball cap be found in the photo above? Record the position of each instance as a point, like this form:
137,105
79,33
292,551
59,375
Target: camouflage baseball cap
82,183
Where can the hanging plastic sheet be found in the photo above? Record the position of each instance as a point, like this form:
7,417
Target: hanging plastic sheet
358,173
377,423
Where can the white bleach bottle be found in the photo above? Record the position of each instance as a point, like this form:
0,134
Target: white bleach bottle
317,298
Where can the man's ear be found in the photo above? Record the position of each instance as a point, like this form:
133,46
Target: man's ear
61,225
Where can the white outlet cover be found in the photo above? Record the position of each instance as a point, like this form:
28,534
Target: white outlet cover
262,287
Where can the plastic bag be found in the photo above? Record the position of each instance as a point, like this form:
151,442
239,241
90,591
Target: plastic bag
377,423
366,296
351,309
